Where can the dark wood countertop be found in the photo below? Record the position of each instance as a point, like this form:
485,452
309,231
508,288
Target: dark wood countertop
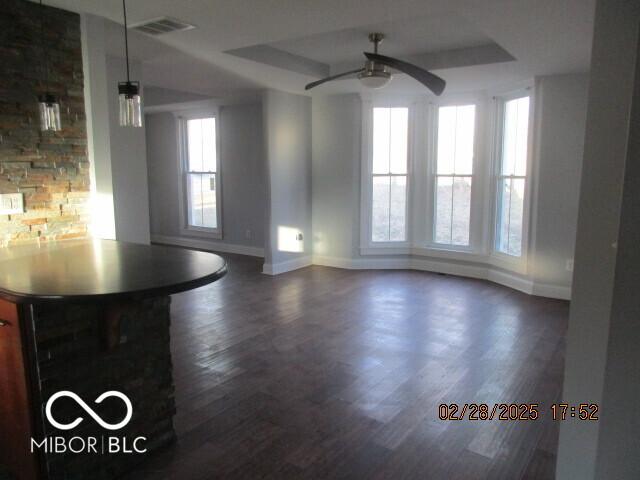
92,270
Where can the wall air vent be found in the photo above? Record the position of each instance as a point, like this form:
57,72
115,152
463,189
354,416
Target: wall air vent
159,26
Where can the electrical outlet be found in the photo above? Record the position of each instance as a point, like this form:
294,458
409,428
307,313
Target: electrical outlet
569,265
11,203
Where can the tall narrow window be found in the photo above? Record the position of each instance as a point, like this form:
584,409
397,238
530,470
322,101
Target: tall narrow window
512,176
454,175
201,177
389,175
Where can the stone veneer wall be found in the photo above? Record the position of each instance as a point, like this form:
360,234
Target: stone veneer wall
50,168
71,356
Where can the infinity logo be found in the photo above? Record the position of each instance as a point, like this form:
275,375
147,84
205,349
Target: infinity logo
89,410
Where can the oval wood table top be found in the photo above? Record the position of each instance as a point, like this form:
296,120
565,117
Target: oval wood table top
92,270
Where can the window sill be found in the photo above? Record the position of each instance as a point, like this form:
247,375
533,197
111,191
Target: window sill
452,254
516,265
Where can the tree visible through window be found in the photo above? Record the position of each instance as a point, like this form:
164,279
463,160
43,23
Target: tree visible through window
512,176
389,175
454,174
201,174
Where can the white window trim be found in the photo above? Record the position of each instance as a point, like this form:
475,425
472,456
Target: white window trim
496,258
366,193
476,230
185,229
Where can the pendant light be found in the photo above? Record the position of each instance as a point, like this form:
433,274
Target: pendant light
47,103
129,92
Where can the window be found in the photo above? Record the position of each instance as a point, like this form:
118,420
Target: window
454,175
389,175
201,178
512,176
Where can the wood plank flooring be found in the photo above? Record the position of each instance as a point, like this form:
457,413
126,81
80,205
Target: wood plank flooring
328,373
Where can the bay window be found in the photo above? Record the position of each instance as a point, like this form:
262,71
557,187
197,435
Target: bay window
447,180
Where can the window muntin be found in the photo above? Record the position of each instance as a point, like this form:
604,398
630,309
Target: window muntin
454,175
512,176
389,175
201,174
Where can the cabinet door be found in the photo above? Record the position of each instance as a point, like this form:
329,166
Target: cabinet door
16,424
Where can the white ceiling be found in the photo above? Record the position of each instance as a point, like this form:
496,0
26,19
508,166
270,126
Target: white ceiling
544,36
403,37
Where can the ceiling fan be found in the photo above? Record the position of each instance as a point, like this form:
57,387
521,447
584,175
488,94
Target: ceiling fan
376,74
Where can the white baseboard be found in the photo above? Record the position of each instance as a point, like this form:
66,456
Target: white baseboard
209,245
482,272
562,292
286,266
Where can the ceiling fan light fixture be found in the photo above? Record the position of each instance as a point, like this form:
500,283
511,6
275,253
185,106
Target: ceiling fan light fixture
374,76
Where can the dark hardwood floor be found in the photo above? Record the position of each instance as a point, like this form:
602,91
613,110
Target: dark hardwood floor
328,373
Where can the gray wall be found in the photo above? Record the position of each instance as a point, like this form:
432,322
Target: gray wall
337,125
561,112
619,443
593,329
117,154
128,163
242,170
287,130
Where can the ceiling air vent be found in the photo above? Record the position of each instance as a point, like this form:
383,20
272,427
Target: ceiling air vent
159,26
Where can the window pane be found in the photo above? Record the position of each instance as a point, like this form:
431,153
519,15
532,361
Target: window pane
516,129
195,200
461,211
398,140
465,127
510,216
381,127
194,137
456,128
515,217
504,201
442,231
201,139
208,144
209,218
380,209
397,216
202,200
446,139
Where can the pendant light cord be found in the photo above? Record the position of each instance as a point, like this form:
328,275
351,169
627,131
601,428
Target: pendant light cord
126,37
45,52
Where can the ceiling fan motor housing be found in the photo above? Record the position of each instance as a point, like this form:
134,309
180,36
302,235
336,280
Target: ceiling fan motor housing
374,75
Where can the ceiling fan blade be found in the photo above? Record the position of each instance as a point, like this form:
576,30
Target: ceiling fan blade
428,79
332,77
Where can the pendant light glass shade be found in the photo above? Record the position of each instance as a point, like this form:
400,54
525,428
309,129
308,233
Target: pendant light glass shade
130,105
49,113
129,92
